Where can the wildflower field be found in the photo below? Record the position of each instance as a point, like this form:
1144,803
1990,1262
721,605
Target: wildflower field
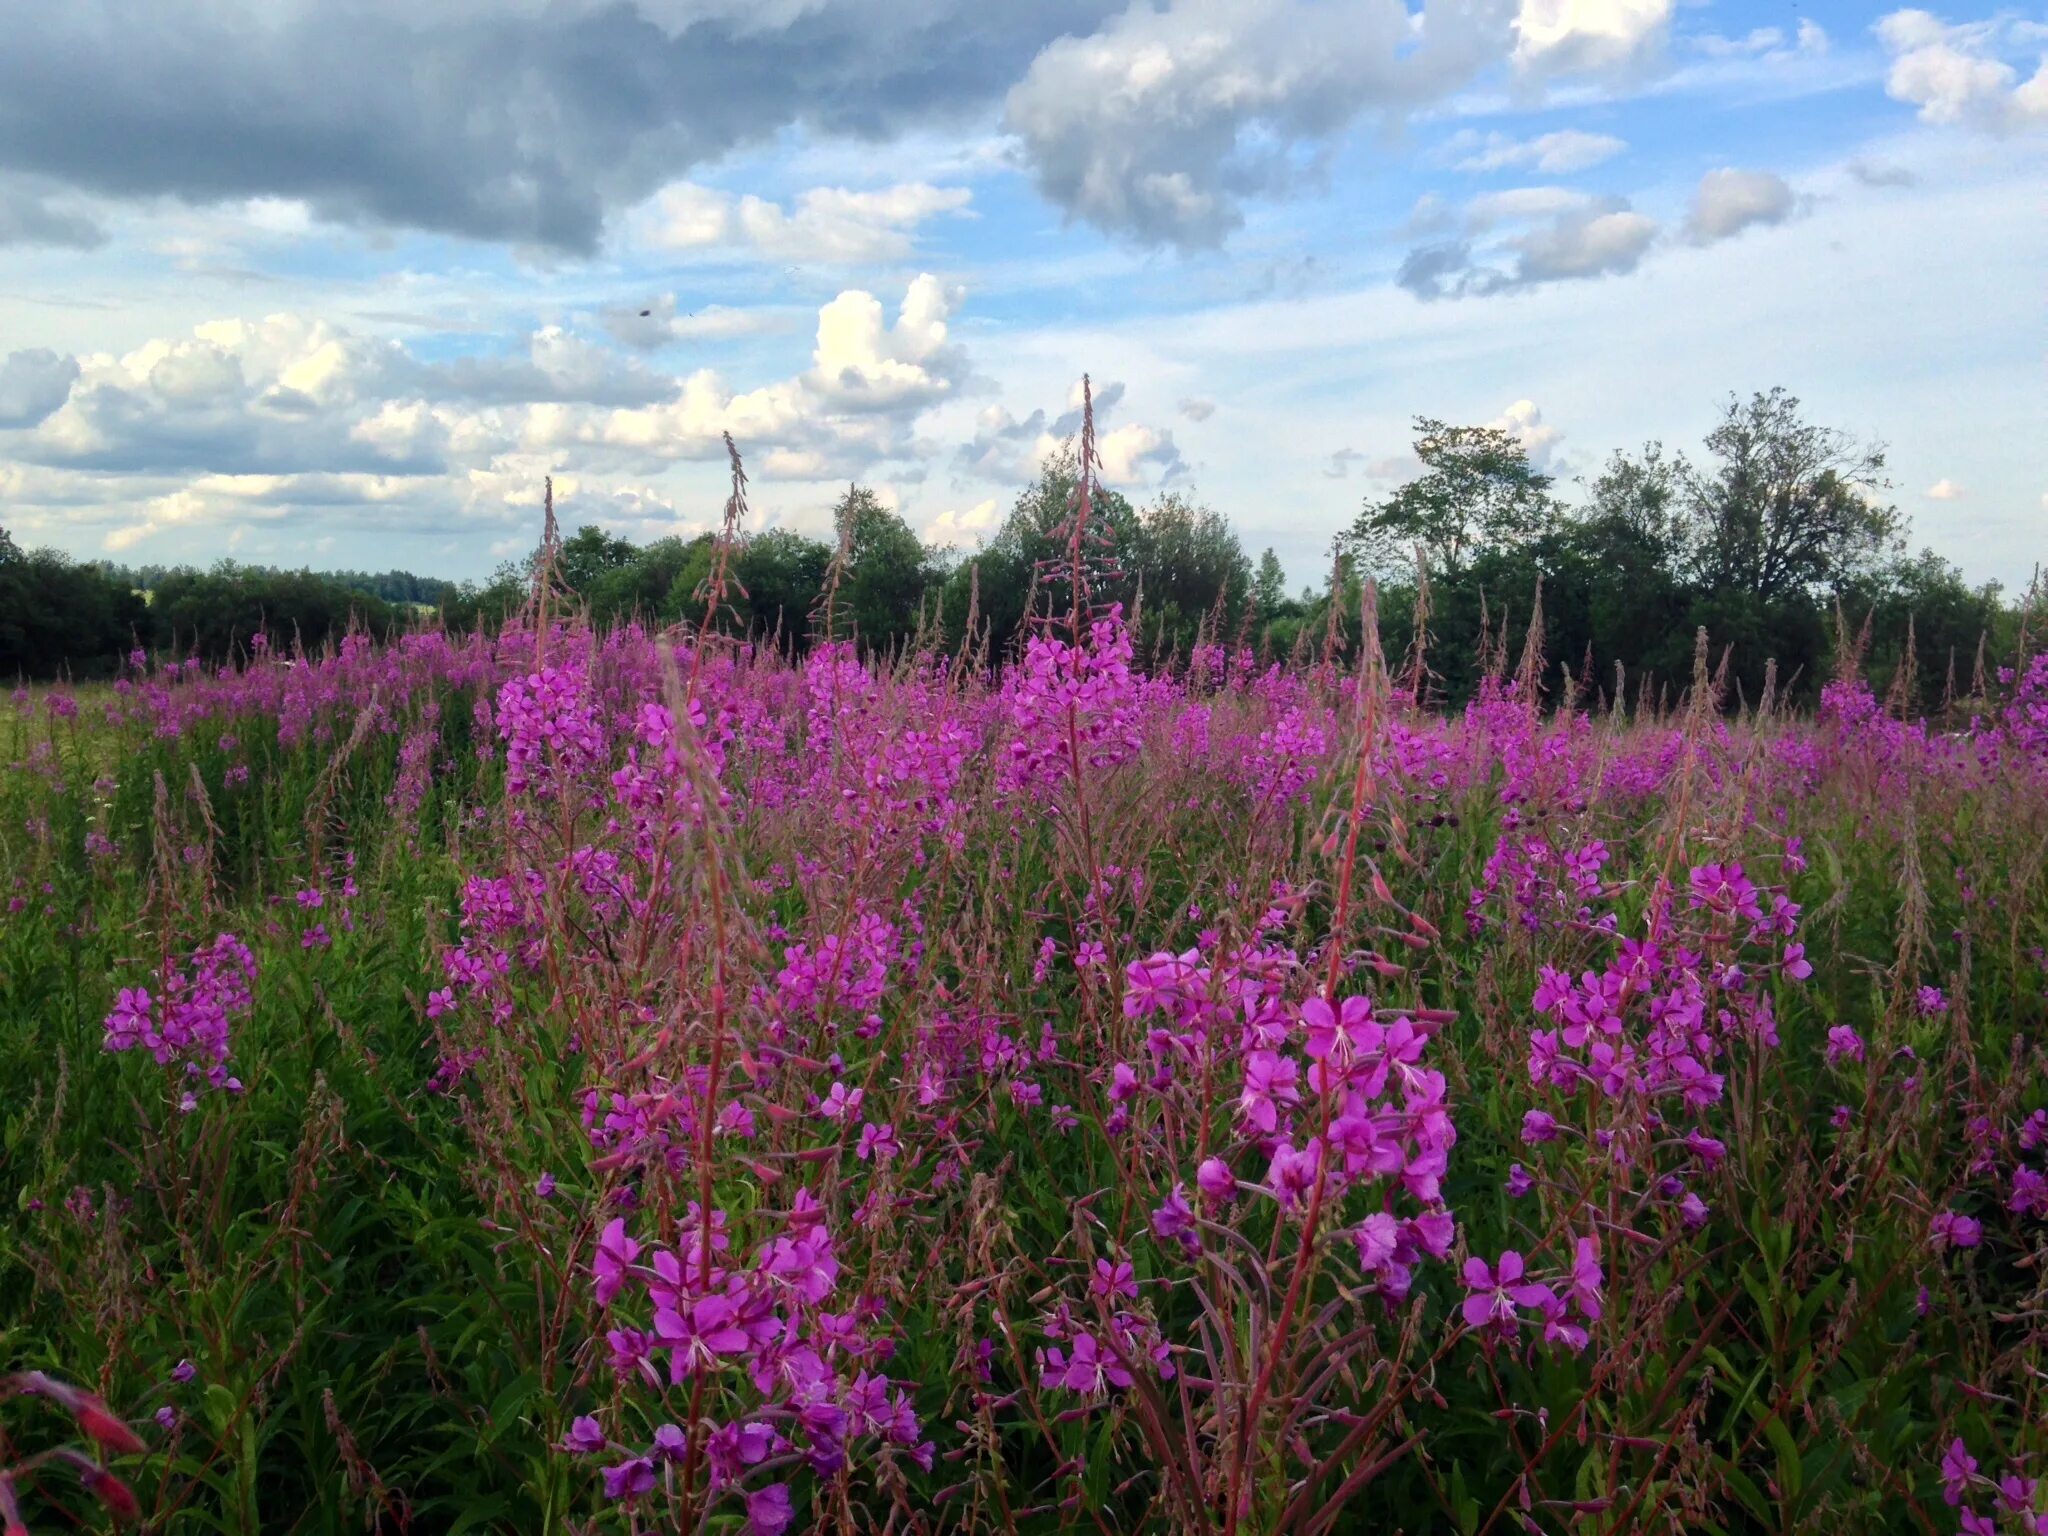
613,1081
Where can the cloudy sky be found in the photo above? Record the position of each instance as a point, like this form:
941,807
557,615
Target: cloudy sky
335,282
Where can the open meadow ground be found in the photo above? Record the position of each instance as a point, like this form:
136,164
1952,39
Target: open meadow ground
581,1081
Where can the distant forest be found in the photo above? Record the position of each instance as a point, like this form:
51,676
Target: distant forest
1774,534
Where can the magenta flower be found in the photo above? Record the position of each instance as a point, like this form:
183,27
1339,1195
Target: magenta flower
1269,1081
585,1437
1215,1180
769,1511
1952,1229
1844,1044
2029,1192
878,1142
629,1479
615,1254
1342,1035
1093,1370
1113,1280
1174,1218
1496,1290
1958,1471
1586,1278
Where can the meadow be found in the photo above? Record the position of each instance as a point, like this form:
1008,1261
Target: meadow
586,1079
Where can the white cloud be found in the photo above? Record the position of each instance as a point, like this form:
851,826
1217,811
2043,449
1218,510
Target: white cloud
1519,204
1763,43
1559,234
1578,245
1127,452
1944,490
1953,74
1553,154
655,322
34,383
1524,422
956,525
1553,36
1195,408
861,366
826,225
1728,201
1159,124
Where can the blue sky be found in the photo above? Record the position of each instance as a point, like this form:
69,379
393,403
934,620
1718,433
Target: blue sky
338,281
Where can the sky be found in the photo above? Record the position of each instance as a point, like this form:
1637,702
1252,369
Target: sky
338,282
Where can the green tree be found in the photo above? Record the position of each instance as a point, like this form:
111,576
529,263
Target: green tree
1187,561
59,617
887,571
1031,541
589,553
1783,507
1477,491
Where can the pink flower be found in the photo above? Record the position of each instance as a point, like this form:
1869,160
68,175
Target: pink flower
877,1142
769,1512
1215,1180
629,1479
1496,1290
2029,1192
1952,1229
615,1254
1586,1278
1958,1471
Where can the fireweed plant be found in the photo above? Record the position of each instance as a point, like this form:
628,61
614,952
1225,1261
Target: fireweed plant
616,1081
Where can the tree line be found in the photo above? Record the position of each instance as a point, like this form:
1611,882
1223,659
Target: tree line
1775,528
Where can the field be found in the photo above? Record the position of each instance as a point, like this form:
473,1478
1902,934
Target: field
599,1081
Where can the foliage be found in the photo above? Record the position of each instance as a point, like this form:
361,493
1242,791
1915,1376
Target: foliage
574,1081
57,616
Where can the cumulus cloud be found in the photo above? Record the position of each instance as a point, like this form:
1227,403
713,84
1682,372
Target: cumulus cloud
1876,173
650,324
1009,449
861,366
1728,201
1195,408
826,225
1953,73
522,122
1944,490
1524,422
1555,235
31,213
1158,125
1129,452
959,524
1553,154
1554,36
247,421
33,384
1584,244
1763,42
541,122
558,366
